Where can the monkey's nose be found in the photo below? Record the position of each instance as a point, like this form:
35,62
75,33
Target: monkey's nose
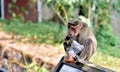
70,35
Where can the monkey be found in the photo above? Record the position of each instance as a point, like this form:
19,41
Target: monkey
80,32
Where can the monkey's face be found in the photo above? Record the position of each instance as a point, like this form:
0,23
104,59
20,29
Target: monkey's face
73,30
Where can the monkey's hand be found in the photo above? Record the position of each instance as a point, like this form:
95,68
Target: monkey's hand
67,42
70,57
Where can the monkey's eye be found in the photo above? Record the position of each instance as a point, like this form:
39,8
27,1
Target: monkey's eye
68,26
73,28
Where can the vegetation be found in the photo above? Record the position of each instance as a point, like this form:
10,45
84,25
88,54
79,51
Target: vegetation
97,12
33,67
44,32
107,61
97,15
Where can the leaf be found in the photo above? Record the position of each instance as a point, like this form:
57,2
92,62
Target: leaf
49,1
107,1
10,5
14,1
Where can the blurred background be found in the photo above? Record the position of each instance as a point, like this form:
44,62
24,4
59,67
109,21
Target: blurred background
38,27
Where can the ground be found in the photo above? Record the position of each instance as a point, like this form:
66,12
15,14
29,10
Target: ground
46,52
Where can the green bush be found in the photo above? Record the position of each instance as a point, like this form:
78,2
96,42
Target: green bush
44,32
107,41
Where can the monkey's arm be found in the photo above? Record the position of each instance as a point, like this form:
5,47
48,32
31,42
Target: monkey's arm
88,50
67,43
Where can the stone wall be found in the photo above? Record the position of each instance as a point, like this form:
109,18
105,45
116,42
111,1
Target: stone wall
115,22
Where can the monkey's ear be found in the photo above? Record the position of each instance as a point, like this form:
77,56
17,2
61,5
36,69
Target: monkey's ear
80,25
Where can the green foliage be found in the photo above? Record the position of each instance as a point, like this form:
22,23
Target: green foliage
116,5
44,32
63,8
106,60
13,7
105,34
33,67
107,41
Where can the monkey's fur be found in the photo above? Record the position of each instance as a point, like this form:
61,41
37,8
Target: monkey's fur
83,36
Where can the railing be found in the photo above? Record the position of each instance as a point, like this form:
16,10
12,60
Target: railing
81,66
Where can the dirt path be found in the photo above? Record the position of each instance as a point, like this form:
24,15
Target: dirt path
47,53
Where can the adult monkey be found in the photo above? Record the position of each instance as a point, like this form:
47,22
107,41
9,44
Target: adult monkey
79,31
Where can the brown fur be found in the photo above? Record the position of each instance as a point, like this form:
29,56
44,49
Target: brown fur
85,37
